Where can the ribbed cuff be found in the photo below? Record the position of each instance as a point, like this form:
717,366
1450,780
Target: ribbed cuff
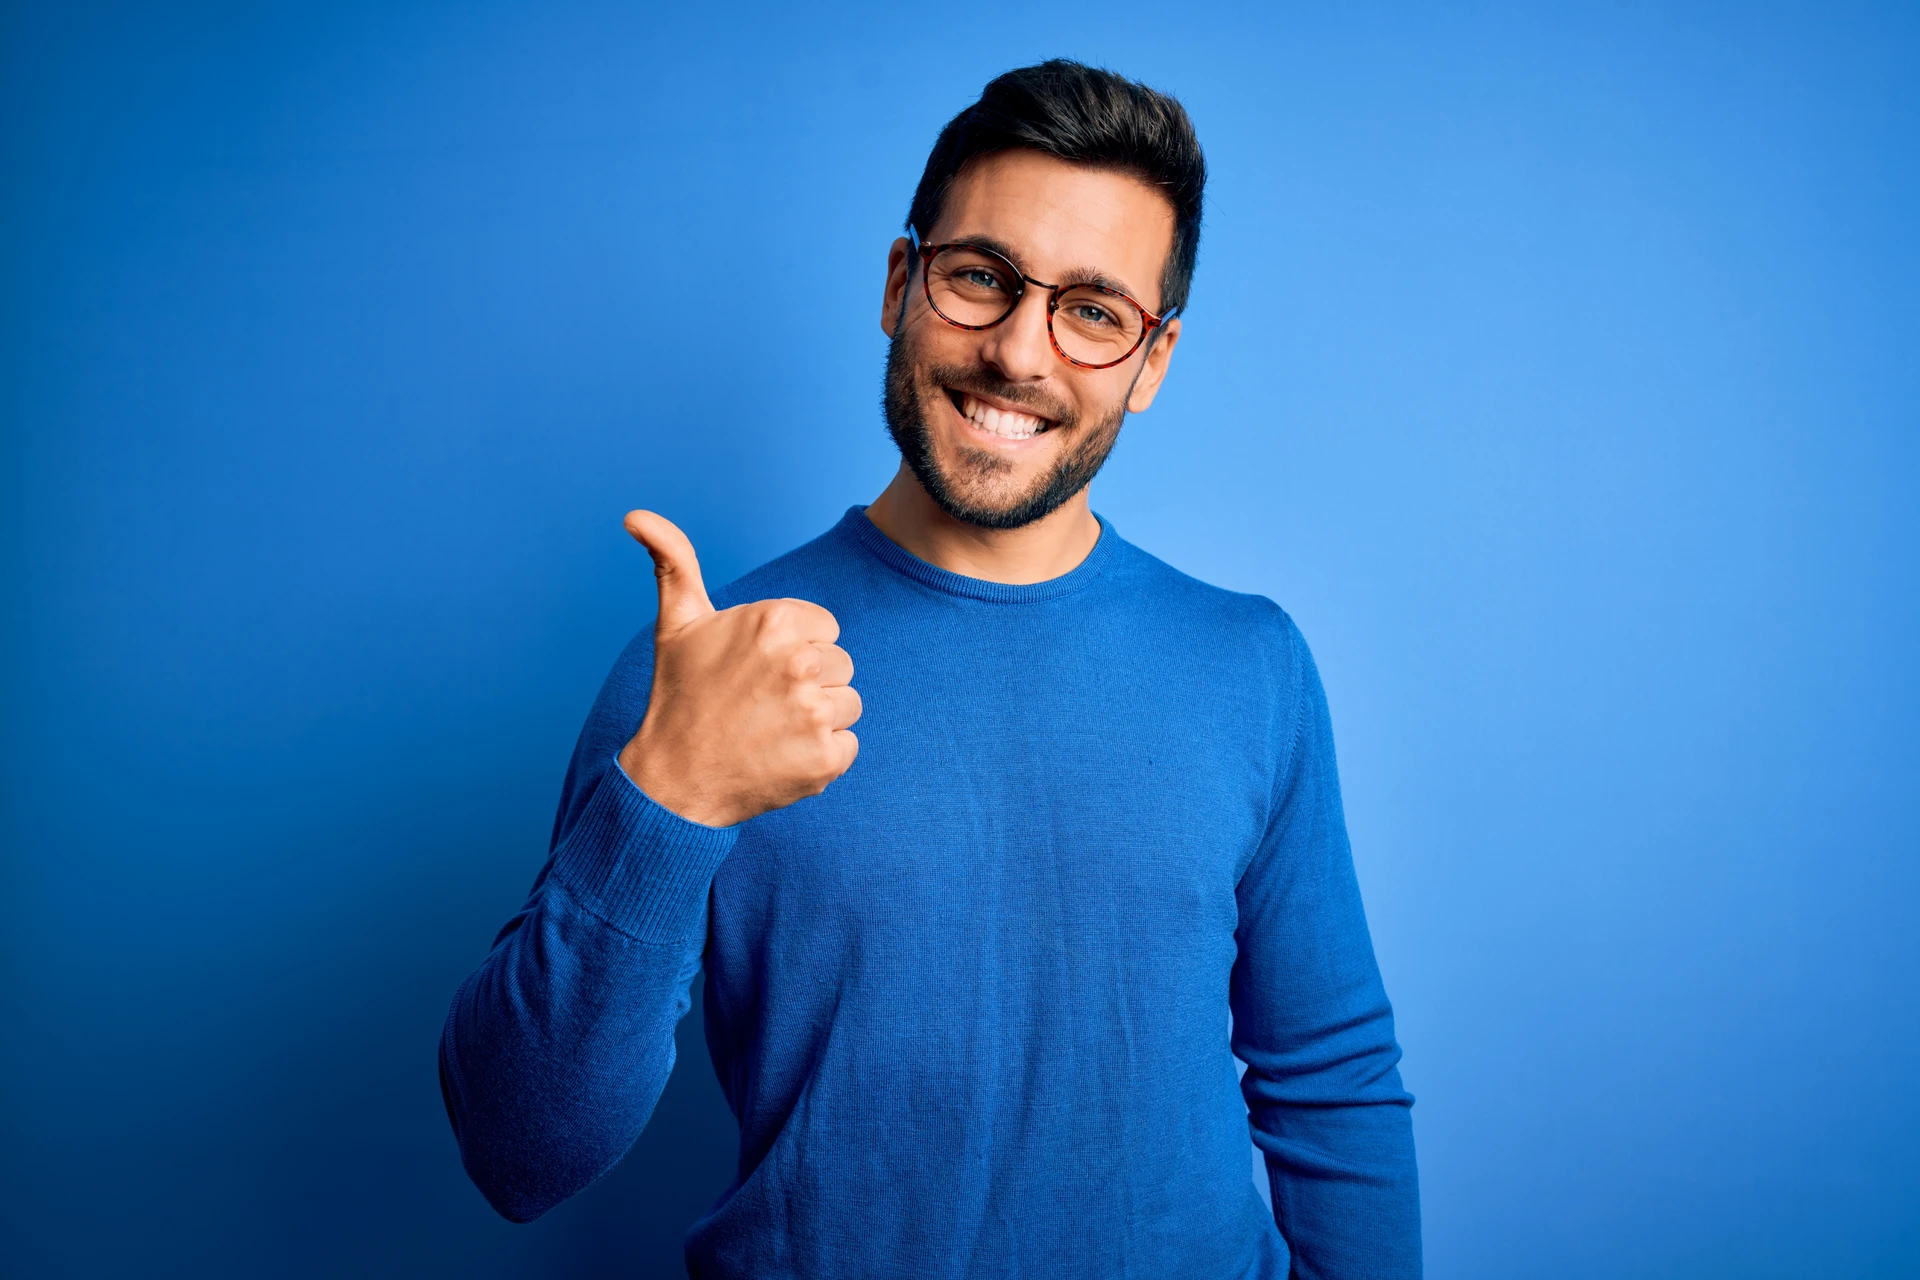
641,868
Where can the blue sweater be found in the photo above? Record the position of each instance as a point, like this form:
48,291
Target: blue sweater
971,1004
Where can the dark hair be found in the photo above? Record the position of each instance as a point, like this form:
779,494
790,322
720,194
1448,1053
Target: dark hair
1086,116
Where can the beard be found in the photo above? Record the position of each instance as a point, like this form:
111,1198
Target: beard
966,491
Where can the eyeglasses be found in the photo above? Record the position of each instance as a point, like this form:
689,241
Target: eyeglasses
1089,325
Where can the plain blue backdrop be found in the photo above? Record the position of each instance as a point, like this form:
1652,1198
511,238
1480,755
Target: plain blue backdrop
1557,367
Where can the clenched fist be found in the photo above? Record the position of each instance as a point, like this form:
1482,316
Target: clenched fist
750,705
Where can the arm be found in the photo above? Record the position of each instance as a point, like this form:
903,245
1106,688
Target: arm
558,1046
1312,1023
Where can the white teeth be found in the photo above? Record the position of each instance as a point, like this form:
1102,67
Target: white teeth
1000,422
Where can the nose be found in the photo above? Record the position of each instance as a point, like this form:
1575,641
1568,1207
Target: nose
1018,346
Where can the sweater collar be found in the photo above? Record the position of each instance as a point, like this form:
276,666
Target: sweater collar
867,535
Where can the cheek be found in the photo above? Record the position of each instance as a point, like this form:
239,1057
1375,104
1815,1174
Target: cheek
1104,399
937,343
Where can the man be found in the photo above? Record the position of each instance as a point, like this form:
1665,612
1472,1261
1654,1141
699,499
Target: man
969,997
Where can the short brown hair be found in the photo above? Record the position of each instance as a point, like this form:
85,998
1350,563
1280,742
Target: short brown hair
1088,116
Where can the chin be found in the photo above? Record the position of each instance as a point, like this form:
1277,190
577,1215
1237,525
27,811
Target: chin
1005,479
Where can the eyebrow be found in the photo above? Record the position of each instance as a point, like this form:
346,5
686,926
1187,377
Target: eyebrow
1075,275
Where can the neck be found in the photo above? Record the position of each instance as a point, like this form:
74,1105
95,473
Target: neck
1046,549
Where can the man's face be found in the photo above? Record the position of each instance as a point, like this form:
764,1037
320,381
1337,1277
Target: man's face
998,429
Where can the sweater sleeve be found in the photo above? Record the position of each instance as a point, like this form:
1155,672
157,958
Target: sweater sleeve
558,1046
1312,1023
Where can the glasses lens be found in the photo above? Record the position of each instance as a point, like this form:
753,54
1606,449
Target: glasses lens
972,286
1096,327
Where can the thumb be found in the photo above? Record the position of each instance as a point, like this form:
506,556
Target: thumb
683,596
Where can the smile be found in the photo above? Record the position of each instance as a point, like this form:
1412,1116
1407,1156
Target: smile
1008,424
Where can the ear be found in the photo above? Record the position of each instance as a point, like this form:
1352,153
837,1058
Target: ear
1159,352
893,301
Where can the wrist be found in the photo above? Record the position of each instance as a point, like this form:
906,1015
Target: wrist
644,769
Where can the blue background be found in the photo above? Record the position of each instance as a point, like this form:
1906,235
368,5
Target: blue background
1557,367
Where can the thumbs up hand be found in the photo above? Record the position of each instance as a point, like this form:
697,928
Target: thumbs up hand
750,705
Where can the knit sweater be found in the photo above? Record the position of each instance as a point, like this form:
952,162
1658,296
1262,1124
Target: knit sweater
977,1006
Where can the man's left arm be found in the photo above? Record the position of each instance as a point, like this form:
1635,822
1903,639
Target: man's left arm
1312,1023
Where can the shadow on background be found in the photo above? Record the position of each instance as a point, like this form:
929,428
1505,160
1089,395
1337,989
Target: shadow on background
274,1109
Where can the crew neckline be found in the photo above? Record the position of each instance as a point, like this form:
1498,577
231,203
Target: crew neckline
904,562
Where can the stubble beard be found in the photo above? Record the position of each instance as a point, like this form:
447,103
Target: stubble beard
965,491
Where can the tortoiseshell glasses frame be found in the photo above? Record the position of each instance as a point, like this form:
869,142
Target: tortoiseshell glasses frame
1019,281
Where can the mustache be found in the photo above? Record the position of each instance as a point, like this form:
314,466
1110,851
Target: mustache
983,381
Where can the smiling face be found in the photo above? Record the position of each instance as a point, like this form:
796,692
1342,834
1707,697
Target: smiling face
998,429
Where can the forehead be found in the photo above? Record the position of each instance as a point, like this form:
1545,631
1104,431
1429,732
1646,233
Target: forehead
1063,219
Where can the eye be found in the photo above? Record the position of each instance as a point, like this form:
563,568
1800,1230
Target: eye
980,278
1092,313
